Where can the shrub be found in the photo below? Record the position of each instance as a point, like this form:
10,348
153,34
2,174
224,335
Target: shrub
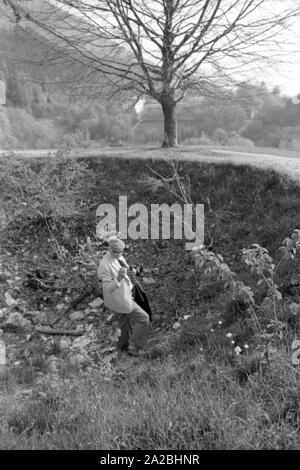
203,140
50,189
235,140
274,321
74,117
7,138
290,138
262,134
220,136
27,132
80,138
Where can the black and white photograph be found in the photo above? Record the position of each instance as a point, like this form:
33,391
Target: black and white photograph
149,228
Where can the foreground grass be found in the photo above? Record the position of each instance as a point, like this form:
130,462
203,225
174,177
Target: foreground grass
182,402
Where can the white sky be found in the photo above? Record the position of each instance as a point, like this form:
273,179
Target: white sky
287,74
288,79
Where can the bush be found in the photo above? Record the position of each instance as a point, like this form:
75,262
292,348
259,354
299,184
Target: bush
235,140
220,136
80,138
262,134
41,191
76,116
203,140
7,138
27,132
120,130
290,138
143,134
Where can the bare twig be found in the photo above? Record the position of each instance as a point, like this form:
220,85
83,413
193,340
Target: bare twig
49,331
161,48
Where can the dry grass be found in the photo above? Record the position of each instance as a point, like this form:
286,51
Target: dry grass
182,402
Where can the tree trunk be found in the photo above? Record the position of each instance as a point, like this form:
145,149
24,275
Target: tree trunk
170,125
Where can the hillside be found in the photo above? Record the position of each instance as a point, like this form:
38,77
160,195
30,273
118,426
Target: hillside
216,374
46,84
41,53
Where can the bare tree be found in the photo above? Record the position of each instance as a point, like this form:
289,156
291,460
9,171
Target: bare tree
163,48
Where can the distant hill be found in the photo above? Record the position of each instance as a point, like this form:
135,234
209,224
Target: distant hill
51,97
30,48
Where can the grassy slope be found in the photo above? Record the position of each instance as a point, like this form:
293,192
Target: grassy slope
260,150
188,398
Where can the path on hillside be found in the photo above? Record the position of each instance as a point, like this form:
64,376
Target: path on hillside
283,164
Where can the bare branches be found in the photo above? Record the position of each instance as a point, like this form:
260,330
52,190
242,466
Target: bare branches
158,45
161,48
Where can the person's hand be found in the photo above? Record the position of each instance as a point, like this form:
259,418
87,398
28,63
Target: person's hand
121,274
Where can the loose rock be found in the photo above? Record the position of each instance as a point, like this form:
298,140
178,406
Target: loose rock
148,280
96,303
81,342
63,343
40,318
9,300
77,316
15,319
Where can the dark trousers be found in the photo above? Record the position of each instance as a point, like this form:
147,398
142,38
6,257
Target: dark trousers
134,324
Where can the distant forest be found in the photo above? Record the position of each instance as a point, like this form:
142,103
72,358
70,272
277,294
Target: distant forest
44,109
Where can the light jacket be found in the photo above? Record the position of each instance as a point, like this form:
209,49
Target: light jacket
108,271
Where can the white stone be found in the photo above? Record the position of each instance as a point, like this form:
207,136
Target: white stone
96,303
294,308
186,317
106,350
64,343
40,317
148,280
76,316
9,300
16,319
81,342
